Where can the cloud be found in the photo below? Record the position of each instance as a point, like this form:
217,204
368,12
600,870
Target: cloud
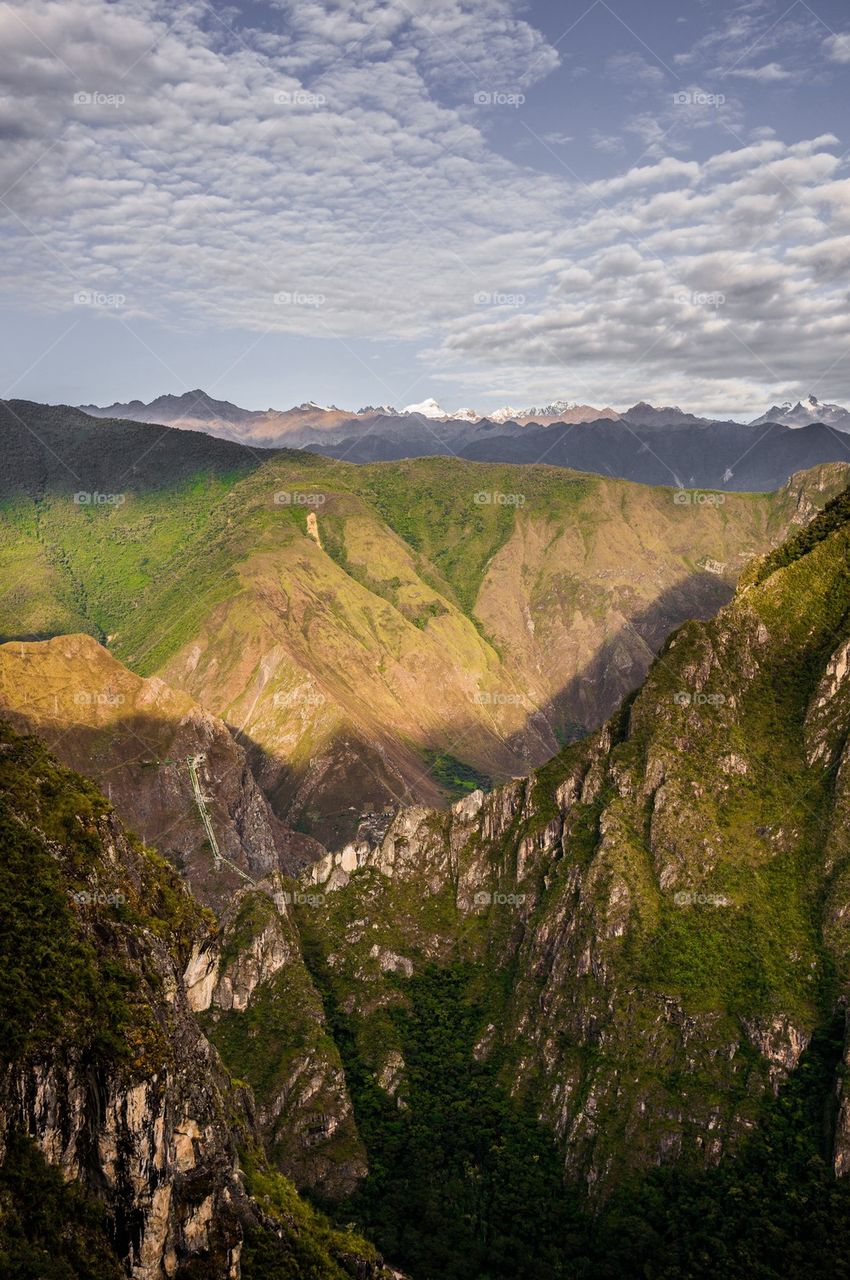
768,74
733,277
344,157
199,167
635,69
650,175
837,47
739,45
608,143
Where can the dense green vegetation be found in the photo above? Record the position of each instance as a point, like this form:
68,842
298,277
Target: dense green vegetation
776,1210
49,1230
51,978
62,971
763,949
309,1247
465,1185
834,516
458,778
279,1027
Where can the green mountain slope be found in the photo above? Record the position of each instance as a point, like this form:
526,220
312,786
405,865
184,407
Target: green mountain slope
591,1024
652,940
375,635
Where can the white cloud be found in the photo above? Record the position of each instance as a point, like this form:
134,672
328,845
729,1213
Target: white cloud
214,168
729,280
768,74
339,153
635,69
608,143
837,47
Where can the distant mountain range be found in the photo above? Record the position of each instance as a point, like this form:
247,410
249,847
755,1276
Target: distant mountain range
199,411
805,412
651,444
558,411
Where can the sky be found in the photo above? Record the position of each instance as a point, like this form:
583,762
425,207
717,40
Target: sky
378,201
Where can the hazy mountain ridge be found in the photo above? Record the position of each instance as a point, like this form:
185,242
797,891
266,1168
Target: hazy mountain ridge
196,407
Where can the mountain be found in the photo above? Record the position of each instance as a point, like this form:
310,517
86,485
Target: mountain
805,412
557,411
677,450
197,411
644,944
373,636
54,447
607,1002
648,415
709,455
645,443
127,1147
135,737
427,409
192,406
590,1022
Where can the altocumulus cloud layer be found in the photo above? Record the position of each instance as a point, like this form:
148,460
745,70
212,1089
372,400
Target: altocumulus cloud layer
335,171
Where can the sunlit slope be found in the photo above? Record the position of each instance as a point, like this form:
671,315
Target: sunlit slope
382,633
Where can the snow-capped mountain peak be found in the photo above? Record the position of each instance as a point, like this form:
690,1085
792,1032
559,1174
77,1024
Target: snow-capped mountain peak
427,409
805,412
557,411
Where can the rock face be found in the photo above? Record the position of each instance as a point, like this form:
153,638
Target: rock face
134,737
842,1127
266,1016
145,1124
109,962
656,892
158,1152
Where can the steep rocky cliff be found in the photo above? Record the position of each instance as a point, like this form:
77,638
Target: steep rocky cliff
264,1014
104,1064
658,918
135,737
